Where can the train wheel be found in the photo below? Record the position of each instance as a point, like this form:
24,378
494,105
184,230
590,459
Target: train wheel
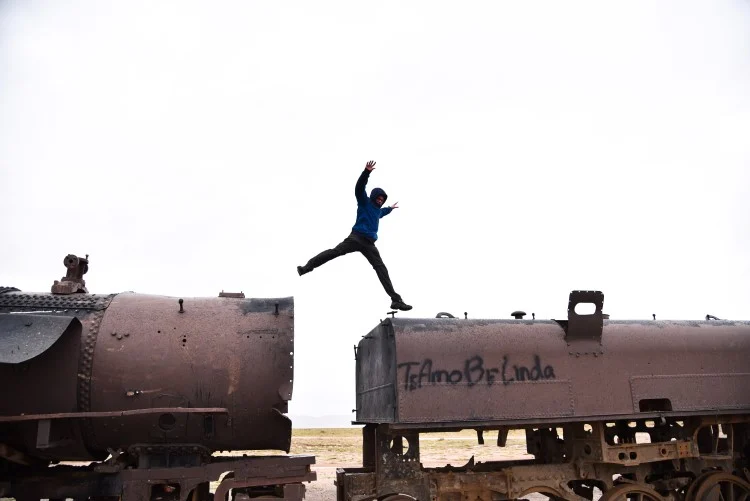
632,492
693,487
722,486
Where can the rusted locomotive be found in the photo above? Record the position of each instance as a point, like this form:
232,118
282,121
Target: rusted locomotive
144,389
636,410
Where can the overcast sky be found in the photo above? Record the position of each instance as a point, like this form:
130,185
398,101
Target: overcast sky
534,148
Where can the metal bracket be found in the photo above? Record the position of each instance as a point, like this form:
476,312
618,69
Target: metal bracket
583,327
109,414
42,434
73,281
583,333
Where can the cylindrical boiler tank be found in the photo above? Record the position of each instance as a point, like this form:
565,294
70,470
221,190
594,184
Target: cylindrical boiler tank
83,373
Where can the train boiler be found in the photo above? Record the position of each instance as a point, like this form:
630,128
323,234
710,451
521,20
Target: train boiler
145,389
634,409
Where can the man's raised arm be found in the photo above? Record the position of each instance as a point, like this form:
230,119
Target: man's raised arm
359,188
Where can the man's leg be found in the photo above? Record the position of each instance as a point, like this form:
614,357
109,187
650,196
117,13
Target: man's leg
345,247
373,257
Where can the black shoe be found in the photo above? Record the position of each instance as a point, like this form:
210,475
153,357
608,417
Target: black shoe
302,270
400,305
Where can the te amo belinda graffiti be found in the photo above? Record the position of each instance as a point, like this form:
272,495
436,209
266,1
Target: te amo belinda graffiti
419,374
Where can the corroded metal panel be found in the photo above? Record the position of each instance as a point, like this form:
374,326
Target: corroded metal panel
682,359
456,371
36,301
23,337
585,327
133,353
46,383
691,392
219,352
376,381
254,473
486,402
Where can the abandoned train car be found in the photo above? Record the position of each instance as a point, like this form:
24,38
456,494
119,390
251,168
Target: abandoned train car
144,389
635,409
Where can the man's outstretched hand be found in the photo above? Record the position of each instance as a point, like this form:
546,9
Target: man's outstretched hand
370,165
394,206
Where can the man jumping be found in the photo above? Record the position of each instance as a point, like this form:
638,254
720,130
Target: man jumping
363,236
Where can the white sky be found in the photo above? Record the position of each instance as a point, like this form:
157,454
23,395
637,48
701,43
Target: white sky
534,147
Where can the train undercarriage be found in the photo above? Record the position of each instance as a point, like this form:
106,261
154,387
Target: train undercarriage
173,474
662,459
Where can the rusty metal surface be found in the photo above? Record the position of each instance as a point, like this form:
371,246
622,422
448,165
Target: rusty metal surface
552,399
89,310
220,352
583,332
608,404
702,391
149,386
565,466
73,281
476,370
376,386
26,336
138,352
289,469
585,327
446,372
45,384
20,301
141,484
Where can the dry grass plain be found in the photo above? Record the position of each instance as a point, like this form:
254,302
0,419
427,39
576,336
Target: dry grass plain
342,447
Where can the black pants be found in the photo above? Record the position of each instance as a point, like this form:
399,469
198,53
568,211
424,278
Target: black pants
357,243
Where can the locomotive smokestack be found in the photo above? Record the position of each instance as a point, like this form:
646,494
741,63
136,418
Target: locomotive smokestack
518,314
73,281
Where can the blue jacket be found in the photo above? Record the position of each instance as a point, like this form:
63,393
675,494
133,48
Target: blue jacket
368,213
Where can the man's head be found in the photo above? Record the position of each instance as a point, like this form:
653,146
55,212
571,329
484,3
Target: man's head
378,196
